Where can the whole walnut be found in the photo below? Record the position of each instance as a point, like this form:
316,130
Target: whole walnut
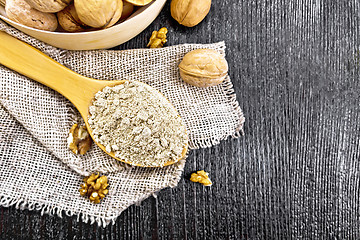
69,20
99,13
203,68
189,12
21,12
50,6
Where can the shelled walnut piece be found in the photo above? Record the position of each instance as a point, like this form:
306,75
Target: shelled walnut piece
94,187
79,140
201,177
158,38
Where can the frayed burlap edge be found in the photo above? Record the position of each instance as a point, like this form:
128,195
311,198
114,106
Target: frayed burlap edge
230,93
52,210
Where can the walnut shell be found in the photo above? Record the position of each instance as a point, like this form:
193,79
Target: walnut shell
139,2
189,12
203,68
99,13
69,20
127,10
50,6
21,12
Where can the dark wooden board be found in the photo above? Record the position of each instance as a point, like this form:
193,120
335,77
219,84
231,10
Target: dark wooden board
295,174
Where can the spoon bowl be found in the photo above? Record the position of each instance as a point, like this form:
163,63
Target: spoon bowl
78,89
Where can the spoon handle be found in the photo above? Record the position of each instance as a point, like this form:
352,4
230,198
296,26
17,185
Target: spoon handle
30,62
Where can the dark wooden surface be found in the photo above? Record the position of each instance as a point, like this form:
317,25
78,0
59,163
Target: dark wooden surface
295,174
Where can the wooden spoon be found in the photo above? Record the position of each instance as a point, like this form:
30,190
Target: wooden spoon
80,90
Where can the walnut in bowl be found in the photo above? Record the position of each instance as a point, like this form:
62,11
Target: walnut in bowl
92,38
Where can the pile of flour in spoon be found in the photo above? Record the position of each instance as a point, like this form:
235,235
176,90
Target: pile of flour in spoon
137,124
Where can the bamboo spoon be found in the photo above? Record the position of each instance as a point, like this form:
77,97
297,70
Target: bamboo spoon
80,90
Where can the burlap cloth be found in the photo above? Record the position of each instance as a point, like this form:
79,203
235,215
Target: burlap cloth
39,172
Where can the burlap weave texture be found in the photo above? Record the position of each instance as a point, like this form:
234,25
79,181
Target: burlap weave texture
35,121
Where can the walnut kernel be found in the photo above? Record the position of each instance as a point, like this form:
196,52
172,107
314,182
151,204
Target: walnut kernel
158,38
94,187
79,140
201,177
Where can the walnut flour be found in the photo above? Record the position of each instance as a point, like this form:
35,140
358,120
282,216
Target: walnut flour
138,124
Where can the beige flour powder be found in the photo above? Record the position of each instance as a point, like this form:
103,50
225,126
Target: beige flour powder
138,124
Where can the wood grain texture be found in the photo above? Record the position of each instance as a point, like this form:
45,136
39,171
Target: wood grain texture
295,65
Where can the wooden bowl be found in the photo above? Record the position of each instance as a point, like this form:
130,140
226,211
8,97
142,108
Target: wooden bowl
99,39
